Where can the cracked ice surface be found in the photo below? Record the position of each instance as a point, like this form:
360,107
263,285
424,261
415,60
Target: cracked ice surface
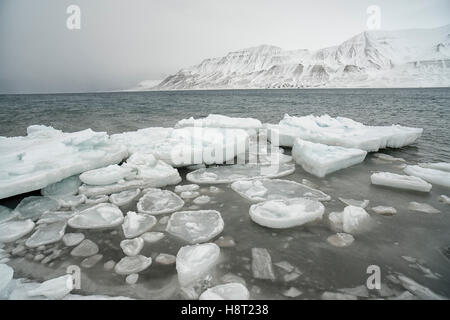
342,132
276,189
231,173
47,156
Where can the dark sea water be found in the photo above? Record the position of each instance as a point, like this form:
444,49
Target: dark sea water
423,237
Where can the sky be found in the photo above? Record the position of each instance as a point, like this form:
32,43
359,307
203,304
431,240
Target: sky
122,42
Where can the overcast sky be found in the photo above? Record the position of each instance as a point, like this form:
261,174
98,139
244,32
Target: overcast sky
122,42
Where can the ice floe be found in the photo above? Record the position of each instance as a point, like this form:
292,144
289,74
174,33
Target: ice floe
399,181
422,207
220,121
195,262
202,200
164,258
152,237
151,173
320,159
186,187
136,224
34,206
47,156
286,213
107,175
342,132
231,173
69,201
67,186
262,264
189,194
352,219
356,203
55,216
276,189
6,214
132,278
100,216
46,234
73,239
124,198
385,211
433,176
86,248
157,201
91,261
341,239
195,226
442,198
442,166
135,264
292,292
229,291
13,230
53,289
142,140
132,247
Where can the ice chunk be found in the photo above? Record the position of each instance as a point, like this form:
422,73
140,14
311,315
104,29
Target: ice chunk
286,213
231,173
276,189
109,265
292,292
136,224
67,186
385,211
90,262
400,181
195,226
195,262
387,157
419,290
47,156
166,259
124,198
354,219
132,278
284,265
46,234
442,166
262,264
69,201
229,291
342,132
33,207
54,289
132,247
220,121
13,230
142,140
6,214
356,203
152,237
107,175
443,198
186,187
157,201
151,173
73,239
55,216
6,275
341,239
189,194
433,176
320,159
129,265
86,248
422,207
100,216
201,200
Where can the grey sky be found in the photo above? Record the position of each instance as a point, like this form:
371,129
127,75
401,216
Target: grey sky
123,42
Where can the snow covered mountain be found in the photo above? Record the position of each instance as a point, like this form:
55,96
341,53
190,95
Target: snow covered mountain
406,58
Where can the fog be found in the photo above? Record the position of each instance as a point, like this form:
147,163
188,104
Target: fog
121,43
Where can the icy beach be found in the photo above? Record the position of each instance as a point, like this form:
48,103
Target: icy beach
223,207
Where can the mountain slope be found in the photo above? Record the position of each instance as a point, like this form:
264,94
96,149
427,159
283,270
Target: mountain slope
409,58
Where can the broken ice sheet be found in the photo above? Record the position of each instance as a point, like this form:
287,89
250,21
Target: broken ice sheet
286,213
157,201
231,173
13,230
195,226
276,189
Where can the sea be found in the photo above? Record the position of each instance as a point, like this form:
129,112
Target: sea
409,243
